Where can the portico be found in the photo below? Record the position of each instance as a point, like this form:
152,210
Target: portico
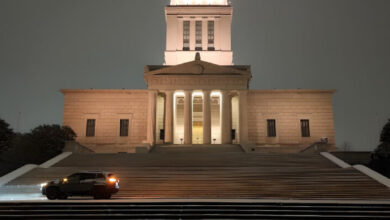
197,103
198,117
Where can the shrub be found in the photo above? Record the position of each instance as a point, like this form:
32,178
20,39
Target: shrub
41,144
380,158
6,135
385,135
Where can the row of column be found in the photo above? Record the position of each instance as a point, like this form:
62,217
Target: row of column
226,117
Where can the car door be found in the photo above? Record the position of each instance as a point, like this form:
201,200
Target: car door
87,181
70,184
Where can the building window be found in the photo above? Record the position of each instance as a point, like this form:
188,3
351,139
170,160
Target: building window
198,37
91,127
162,134
271,128
186,35
305,128
124,127
210,34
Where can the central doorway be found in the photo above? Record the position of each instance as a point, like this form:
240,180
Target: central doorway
197,118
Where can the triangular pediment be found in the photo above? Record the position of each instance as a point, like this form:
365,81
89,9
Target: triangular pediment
197,67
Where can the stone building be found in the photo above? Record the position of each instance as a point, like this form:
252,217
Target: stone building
198,96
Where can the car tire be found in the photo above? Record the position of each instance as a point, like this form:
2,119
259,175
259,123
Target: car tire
98,192
107,196
98,196
62,196
52,193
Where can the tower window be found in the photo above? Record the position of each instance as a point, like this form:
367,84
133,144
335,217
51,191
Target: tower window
198,37
186,35
305,128
210,34
91,127
124,127
271,128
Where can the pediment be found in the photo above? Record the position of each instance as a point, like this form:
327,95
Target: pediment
197,67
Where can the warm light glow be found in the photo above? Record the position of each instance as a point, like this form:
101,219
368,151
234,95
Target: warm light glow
197,93
200,2
179,94
178,127
112,180
65,180
213,94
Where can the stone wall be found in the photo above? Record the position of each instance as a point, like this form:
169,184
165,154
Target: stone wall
288,107
107,107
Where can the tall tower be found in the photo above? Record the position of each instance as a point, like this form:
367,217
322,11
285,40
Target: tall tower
202,26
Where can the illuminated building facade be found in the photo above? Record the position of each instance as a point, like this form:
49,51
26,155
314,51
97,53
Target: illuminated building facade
198,96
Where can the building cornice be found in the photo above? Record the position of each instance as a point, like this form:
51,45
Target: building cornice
199,10
66,91
331,91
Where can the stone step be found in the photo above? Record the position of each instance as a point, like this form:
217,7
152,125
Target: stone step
193,210
197,149
227,175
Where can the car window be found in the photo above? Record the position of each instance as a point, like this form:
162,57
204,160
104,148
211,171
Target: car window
100,175
87,176
74,177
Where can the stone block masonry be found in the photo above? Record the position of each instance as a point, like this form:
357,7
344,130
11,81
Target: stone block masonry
107,107
288,108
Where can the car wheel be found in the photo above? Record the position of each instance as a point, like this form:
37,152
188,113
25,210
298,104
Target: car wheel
62,196
52,193
98,196
107,196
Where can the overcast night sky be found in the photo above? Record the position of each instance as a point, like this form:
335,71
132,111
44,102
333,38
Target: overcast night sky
47,45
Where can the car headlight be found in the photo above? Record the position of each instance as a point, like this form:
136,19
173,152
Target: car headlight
43,185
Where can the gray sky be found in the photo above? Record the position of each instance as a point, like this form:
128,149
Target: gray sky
46,45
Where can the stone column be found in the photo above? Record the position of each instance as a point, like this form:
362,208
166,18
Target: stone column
168,117
226,117
206,117
179,36
243,116
188,117
151,132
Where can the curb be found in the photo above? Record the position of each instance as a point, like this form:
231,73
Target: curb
55,160
16,173
28,167
373,174
335,160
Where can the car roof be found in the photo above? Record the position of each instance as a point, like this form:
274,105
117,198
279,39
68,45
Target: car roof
93,171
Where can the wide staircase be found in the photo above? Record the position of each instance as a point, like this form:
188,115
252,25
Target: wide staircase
217,176
193,210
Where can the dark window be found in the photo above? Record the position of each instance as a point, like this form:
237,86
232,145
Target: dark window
124,127
74,178
233,134
91,127
186,35
210,35
305,128
271,128
87,176
198,36
162,134
100,176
